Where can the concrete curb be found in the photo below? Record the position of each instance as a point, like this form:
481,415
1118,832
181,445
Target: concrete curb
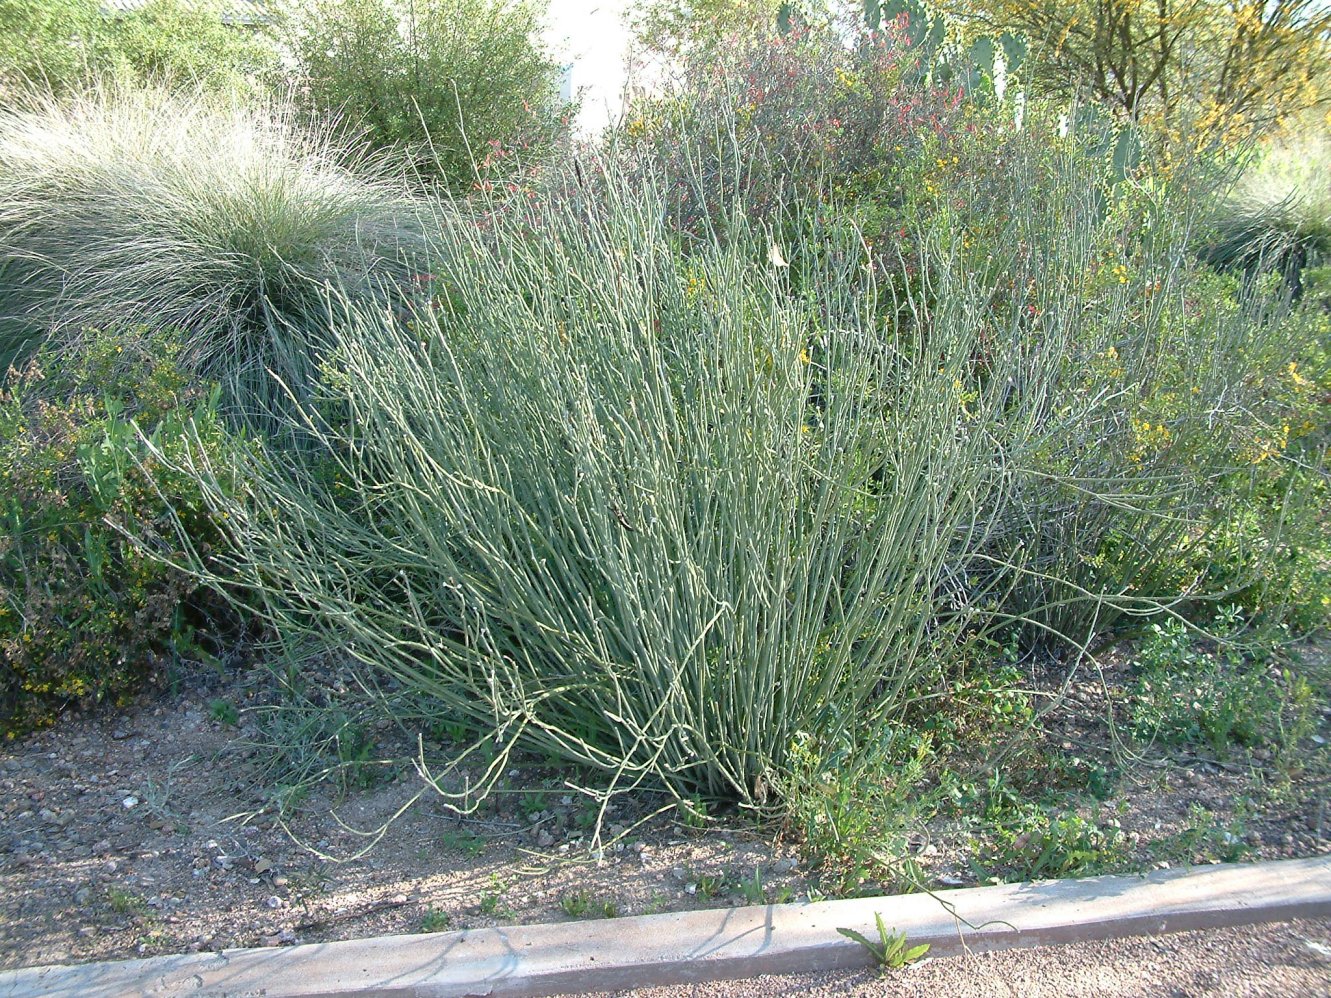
710,945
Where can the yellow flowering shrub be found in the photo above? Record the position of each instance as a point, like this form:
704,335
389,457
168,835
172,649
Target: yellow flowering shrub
85,615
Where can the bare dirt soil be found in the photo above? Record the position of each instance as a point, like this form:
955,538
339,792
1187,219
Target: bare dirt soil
152,830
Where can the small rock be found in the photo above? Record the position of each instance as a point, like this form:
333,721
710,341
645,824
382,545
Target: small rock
690,888
544,839
274,902
785,865
130,802
120,734
280,881
88,931
1320,950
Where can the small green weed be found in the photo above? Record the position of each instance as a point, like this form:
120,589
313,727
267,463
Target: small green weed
890,952
492,901
710,885
223,712
582,904
467,843
1188,694
850,806
1204,839
693,812
753,890
124,902
435,920
1031,843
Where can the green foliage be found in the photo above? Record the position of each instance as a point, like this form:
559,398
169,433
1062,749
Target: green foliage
454,84
850,805
1029,842
67,45
189,213
1189,693
435,921
223,712
1204,839
86,444
890,952
1213,72
467,843
583,904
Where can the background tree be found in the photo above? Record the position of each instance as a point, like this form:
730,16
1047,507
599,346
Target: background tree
674,28
63,45
1227,67
441,79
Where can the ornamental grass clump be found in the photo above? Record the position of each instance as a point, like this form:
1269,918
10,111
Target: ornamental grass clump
188,212
647,514
1278,215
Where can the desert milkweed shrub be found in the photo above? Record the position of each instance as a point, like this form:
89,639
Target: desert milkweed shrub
650,515
219,219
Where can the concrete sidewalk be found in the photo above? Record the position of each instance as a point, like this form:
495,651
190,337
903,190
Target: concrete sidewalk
689,947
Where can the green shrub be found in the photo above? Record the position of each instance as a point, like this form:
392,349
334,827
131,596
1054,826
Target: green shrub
589,504
1161,419
192,213
453,83
66,45
85,616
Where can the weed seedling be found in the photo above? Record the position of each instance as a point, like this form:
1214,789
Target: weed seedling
710,886
492,901
753,890
577,904
434,920
891,951
124,903
224,712
467,843
693,812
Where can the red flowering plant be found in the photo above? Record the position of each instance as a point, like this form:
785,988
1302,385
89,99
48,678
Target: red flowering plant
771,122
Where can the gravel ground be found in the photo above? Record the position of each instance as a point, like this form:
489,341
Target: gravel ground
152,830
1279,960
